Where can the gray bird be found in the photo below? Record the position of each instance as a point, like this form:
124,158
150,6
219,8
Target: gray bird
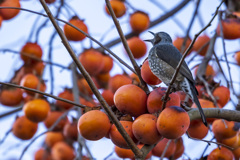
163,59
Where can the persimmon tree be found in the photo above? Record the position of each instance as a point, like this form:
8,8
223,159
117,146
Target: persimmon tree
77,75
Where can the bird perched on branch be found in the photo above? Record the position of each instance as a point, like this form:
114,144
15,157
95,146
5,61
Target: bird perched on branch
163,59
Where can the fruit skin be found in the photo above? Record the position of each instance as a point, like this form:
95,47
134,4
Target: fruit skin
92,61
71,33
23,128
36,110
41,154
29,81
200,42
84,87
7,14
223,130
222,95
66,94
118,7
31,49
148,76
231,28
154,100
137,47
117,138
236,153
52,117
94,125
62,151
70,131
123,153
117,81
139,21
237,57
131,99
107,64
221,154
52,138
108,96
179,148
197,129
50,1
145,130
209,71
178,43
159,148
11,96
173,122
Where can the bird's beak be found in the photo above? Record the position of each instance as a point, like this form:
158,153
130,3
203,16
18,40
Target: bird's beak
150,40
152,33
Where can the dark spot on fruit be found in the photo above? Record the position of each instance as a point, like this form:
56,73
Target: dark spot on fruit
178,109
236,126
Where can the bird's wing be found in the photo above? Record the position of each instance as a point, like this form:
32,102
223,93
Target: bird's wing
171,55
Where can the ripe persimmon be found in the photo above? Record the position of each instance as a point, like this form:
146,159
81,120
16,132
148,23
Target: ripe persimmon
30,81
201,46
179,148
117,138
236,153
38,68
84,87
23,128
50,1
107,64
237,57
117,81
173,122
232,142
159,148
118,7
36,110
11,96
62,151
92,61
131,99
52,138
145,129
71,33
123,153
108,96
139,21
41,154
209,71
30,50
7,14
94,125
70,131
66,94
197,129
52,117
148,76
221,153
180,45
222,95
230,28
137,47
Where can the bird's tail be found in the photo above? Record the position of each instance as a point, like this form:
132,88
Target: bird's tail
196,101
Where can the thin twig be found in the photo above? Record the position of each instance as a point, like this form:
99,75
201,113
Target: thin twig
165,149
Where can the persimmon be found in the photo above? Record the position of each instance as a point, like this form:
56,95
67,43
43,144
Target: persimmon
180,45
222,95
23,128
123,153
103,79
94,125
237,57
30,81
11,96
71,33
1,19
179,148
118,7
108,96
70,131
117,81
145,130
117,138
66,94
126,101
38,68
135,78
92,61
50,1
107,64
232,142
201,91
173,122
137,47
52,138
86,102
148,156
84,87
36,110
197,129
52,117
7,14
221,153
230,28
209,71
30,50
200,45
224,129
154,100
41,154
62,151
139,21
148,76
159,148
236,153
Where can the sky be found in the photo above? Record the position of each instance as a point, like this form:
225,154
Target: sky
15,33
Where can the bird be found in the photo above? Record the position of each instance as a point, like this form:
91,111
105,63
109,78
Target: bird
163,59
